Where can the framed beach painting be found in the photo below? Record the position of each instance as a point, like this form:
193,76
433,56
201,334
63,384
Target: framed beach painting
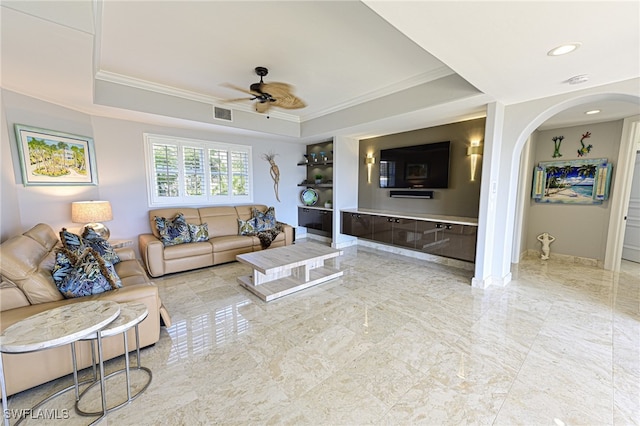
48,157
583,181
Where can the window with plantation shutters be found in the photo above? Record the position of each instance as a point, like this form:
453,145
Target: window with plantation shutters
186,171
165,166
240,172
219,171
193,161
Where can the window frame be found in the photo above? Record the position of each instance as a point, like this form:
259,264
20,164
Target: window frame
155,200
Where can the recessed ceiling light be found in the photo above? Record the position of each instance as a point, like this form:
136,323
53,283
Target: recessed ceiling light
593,111
564,49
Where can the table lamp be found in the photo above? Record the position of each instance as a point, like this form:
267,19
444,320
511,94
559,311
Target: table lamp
91,213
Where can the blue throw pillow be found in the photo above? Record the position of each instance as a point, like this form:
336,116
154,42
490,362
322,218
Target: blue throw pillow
173,231
91,239
265,221
83,275
72,241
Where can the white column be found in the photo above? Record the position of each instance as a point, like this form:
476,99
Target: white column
488,215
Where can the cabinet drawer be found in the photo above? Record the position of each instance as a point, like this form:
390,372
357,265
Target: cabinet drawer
357,225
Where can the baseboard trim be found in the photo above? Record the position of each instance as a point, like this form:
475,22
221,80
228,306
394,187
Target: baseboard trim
344,244
566,258
491,281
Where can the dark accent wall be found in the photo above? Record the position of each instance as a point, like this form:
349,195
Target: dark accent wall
461,198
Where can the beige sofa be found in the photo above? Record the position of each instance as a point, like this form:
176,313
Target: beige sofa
223,245
27,288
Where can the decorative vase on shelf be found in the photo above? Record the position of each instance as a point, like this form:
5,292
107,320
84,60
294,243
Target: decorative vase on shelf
306,158
318,179
328,204
313,157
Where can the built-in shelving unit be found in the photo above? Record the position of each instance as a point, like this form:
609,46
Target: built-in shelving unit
321,163
318,218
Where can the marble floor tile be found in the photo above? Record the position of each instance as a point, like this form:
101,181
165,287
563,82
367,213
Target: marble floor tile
394,341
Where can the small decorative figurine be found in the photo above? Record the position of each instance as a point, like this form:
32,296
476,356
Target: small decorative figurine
546,239
585,149
557,140
306,158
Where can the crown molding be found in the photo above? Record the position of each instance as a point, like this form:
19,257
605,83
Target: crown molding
137,83
417,80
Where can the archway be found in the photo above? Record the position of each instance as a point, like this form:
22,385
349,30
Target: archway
624,165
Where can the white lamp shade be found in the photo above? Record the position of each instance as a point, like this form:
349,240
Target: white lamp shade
91,211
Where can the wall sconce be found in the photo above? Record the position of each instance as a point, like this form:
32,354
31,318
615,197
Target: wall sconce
474,151
91,213
369,161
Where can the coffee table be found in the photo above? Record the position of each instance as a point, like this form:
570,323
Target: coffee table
280,271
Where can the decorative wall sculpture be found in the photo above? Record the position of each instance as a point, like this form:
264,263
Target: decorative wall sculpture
274,171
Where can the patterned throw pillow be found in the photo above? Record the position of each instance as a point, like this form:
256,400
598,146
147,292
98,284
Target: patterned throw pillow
247,227
84,274
173,231
199,233
265,221
92,239
72,241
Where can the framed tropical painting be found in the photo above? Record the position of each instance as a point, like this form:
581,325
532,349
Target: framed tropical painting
583,181
48,157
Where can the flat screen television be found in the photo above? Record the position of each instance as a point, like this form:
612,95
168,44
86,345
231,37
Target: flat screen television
418,166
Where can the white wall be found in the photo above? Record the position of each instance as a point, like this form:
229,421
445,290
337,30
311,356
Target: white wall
121,169
35,204
345,179
9,213
580,229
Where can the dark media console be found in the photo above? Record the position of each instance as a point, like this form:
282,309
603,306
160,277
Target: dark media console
447,236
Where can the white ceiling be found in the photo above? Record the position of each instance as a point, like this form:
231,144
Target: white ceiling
340,56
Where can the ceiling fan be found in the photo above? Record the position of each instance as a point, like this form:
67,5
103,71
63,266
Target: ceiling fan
267,95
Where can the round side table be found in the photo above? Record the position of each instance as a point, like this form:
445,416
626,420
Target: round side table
131,315
60,326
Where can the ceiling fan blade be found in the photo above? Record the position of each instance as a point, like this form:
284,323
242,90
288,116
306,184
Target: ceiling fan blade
289,102
283,87
231,86
237,99
281,92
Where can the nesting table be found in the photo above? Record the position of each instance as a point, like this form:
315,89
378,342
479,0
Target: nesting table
131,315
60,326
280,271
93,320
